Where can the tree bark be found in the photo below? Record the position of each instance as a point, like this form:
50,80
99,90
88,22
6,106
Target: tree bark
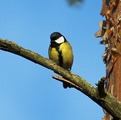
111,34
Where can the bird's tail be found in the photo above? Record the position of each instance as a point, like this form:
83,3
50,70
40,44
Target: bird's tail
65,85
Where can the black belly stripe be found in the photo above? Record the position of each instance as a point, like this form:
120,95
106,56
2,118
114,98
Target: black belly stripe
60,59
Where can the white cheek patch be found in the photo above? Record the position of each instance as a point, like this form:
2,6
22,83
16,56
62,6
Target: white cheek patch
60,40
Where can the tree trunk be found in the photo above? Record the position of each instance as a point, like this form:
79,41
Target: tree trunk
111,34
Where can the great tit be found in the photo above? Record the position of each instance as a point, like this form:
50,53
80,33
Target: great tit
60,51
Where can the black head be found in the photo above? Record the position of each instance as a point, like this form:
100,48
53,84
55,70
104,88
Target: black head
55,35
57,38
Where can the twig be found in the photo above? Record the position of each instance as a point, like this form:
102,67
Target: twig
61,79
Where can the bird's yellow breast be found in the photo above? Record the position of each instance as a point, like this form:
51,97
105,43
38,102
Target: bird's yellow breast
67,55
53,54
63,55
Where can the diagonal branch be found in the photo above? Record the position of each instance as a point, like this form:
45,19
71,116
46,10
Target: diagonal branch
109,103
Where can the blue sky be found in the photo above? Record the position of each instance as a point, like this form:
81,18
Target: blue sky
27,90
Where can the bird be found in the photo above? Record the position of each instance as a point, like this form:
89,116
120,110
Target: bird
60,51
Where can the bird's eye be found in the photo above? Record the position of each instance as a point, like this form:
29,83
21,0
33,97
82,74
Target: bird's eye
54,38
